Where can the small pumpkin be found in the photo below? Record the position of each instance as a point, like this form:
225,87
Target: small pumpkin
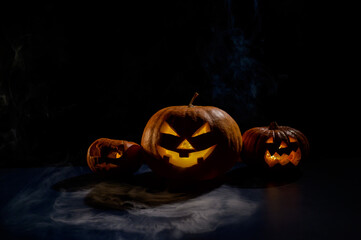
191,142
114,156
274,146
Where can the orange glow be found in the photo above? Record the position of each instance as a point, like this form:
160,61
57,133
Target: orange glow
167,129
202,130
282,145
185,162
293,157
115,154
185,145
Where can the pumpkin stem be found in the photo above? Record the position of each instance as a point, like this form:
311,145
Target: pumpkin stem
273,126
192,100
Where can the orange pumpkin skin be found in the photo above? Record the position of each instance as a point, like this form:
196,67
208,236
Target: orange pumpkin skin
114,157
218,135
274,147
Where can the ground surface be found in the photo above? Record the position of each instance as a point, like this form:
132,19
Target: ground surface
72,203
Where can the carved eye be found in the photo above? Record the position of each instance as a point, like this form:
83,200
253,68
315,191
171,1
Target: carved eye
167,129
113,154
202,130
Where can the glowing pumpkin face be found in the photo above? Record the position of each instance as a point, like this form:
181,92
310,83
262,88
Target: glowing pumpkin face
274,146
282,153
113,156
185,154
191,142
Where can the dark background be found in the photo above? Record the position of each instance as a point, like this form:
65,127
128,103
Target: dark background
72,73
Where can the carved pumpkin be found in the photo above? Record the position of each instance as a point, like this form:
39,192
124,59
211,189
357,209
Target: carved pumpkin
191,142
274,146
114,156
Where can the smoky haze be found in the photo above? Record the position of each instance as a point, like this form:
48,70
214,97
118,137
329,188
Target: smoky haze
41,210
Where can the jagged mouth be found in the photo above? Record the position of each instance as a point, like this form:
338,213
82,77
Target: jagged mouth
185,160
294,157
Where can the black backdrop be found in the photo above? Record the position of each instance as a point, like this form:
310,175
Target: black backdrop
72,73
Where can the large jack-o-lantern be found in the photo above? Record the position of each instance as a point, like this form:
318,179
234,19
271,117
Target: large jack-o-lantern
191,142
116,157
274,146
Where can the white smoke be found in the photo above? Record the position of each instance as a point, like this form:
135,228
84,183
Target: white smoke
205,213
38,207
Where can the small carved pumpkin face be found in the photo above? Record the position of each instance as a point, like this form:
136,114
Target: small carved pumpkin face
113,156
282,153
274,146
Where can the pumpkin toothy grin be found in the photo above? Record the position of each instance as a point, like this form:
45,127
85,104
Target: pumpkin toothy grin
294,157
185,160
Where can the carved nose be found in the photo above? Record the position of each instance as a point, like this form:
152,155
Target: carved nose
282,145
185,145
